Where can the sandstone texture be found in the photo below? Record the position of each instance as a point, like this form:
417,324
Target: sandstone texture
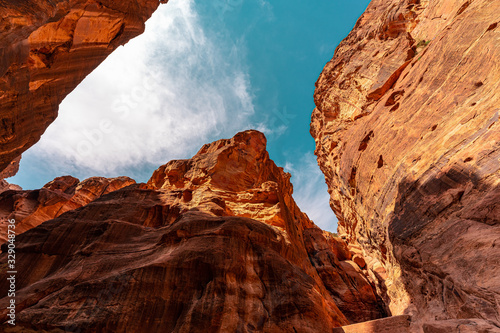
399,324
4,186
46,49
11,169
214,243
407,134
32,208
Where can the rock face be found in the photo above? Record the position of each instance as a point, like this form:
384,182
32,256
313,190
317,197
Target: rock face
46,49
32,208
11,169
215,243
399,324
407,134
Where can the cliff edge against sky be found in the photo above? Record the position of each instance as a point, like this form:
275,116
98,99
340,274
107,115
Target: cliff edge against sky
46,49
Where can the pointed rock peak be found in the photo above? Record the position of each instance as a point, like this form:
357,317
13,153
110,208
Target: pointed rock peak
249,140
63,184
233,177
235,164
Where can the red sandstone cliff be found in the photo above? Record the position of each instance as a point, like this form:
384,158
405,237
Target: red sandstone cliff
32,208
407,134
214,243
46,49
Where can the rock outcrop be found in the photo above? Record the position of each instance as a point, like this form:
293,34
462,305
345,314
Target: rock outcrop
32,208
407,134
11,169
214,243
46,49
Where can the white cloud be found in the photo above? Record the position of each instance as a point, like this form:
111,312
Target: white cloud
161,97
152,100
271,133
310,192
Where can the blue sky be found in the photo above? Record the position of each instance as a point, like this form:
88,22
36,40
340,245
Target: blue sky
203,70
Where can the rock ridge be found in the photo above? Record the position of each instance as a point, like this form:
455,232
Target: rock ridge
214,243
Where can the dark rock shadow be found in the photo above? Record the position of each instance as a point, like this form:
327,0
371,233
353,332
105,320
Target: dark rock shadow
445,234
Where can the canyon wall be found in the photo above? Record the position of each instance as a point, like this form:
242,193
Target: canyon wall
407,134
214,243
46,49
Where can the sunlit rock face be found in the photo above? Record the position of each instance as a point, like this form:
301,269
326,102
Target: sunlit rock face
32,208
46,49
407,134
214,243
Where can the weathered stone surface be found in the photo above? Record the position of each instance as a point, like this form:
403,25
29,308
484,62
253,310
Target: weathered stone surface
407,135
462,326
215,243
4,186
32,208
396,324
195,275
11,169
46,49
349,286
235,177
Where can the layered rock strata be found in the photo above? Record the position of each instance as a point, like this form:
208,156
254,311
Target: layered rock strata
407,134
46,49
31,208
214,243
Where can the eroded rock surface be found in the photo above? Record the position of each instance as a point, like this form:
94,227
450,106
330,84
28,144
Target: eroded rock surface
31,208
214,243
46,49
407,134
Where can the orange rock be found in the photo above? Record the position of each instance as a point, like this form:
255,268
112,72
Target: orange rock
234,177
31,208
5,186
406,129
359,260
351,289
11,169
215,243
48,48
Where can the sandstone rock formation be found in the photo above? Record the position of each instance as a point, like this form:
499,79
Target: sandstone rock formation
46,49
11,169
4,186
396,324
215,243
32,208
407,134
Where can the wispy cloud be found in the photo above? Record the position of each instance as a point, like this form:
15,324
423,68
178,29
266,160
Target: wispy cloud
153,100
310,192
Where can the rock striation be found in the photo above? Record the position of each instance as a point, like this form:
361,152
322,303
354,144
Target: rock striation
32,208
214,243
407,134
46,49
